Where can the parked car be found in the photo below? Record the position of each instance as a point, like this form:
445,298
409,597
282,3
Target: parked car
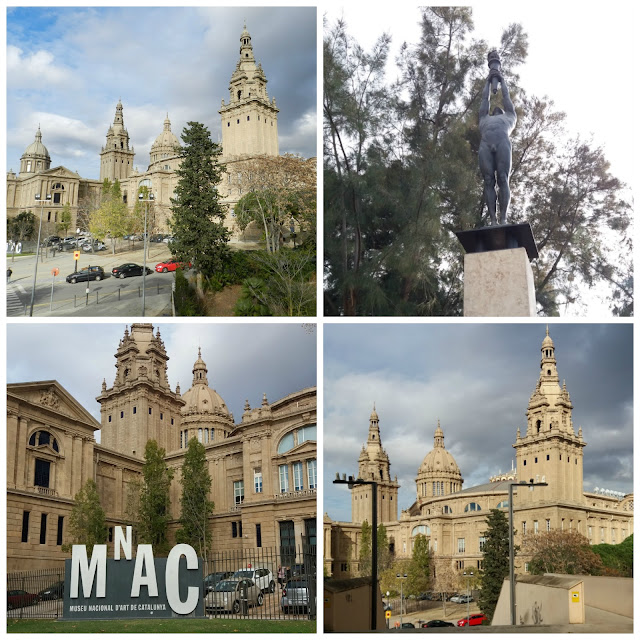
167,239
156,237
475,619
88,273
228,595
437,623
128,269
212,579
20,598
96,246
65,245
51,240
171,265
407,625
461,598
262,577
54,592
295,595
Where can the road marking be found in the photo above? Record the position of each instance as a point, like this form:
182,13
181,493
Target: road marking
14,304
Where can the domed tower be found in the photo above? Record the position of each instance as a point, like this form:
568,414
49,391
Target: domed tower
116,159
550,451
373,464
249,119
36,157
165,144
140,406
438,475
204,416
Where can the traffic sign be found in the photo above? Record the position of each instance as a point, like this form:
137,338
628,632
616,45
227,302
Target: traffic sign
76,255
387,614
55,271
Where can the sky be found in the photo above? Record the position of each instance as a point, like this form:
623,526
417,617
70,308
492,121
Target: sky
581,58
243,360
477,380
67,67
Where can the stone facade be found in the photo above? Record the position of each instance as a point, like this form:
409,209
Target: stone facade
454,519
264,468
249,130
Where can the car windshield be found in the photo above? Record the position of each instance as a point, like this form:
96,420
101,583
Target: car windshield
297,584
227,585
243,574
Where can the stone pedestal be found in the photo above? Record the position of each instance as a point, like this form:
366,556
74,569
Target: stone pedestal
499,284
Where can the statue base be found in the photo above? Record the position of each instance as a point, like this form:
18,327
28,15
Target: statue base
497,237
499,284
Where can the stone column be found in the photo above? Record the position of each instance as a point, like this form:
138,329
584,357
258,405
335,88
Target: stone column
76,465
13,429
21,443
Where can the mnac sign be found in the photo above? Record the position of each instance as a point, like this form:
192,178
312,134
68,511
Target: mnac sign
127,587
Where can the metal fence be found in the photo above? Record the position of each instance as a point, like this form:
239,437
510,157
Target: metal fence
282,586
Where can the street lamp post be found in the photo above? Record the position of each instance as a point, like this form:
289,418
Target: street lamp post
35,270
401,578
147,200
374,539
468,576
512,581
387,619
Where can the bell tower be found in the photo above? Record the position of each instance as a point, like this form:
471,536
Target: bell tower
373,464
550,451
249,119
116,159
140,406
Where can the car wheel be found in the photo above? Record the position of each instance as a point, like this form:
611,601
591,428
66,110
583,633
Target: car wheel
236,607
74,280
98,278
121,276
164,269
272,586
260,599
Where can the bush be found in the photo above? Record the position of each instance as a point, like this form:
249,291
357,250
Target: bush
186,299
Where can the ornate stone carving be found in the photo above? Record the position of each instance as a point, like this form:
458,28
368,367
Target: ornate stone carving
49,399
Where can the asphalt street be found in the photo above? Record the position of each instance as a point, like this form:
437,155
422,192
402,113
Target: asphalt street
109,297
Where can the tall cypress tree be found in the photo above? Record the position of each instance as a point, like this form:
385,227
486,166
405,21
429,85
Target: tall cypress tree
87,524
197,223
496,561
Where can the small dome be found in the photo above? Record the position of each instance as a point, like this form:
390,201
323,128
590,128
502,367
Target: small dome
36,148
202,399
547,342
167,139
439,459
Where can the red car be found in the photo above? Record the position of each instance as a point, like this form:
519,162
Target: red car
171,265
476,618
19,598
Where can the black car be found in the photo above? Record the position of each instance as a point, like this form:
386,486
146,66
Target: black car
51,240
437,623
54,592
88,273
212,579
128,269
407,625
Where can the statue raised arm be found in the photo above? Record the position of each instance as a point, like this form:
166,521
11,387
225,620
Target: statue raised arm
494,154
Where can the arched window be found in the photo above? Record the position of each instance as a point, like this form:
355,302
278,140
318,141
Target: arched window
447,509
421,529
503,505
44,438
472,506
200,435
297,437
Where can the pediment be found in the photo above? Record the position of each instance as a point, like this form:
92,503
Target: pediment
50,397
62,172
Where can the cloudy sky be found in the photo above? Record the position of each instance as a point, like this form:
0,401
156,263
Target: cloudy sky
243,360
67,67
577,58
477,380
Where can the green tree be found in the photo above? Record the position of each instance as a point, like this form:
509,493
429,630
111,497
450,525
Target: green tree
419,573
65,219
559,551
616,558
155,502
87,523
22,227
364,556
196,508
495,561
198,216
111,218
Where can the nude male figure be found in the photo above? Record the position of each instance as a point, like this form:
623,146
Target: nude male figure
495,148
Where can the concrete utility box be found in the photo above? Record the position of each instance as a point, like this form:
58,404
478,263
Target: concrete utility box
347,605
543,600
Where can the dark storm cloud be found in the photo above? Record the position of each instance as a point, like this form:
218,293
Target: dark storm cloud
243,360
157,60
477,380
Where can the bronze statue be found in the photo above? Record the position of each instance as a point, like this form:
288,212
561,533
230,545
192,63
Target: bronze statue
495,147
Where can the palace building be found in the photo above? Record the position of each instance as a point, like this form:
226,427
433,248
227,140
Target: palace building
263,467
249,130
453,518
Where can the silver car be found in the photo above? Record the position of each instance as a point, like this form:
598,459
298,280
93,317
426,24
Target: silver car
295,595
228,595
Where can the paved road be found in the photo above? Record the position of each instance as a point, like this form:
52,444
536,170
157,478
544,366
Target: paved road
109,297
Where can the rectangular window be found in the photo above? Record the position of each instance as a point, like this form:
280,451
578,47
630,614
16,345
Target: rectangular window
238,491
297,476
149,410
526,567
548,524
25,526
312,473
460,545
162,416
257,480
258,535
109,418
310,531
60,529
234,529
240,529
481,542
287,543
535,526
134,410
601,534
524,528
41,478
56,198
122,414
43,528
284,478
